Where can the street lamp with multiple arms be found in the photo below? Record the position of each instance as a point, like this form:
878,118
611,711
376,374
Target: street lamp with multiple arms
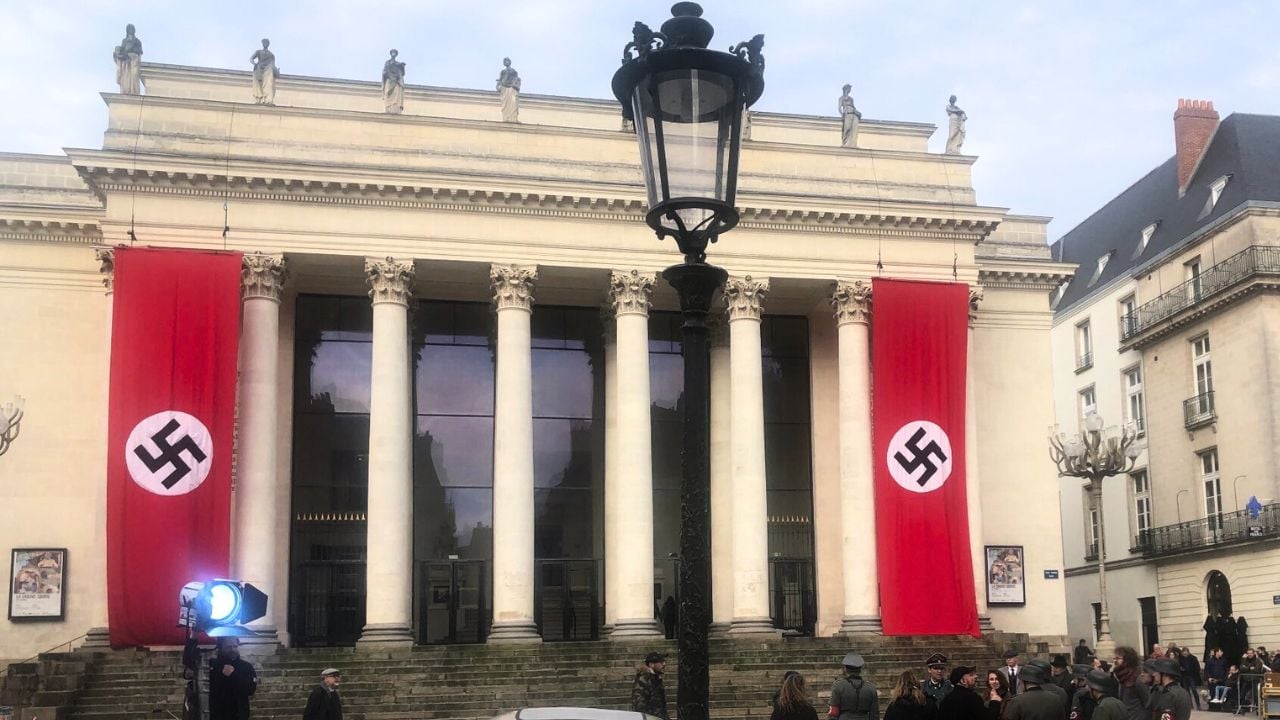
1095,454
687,103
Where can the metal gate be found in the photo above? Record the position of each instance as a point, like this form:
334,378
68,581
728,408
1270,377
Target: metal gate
792,600
452,602
330,602
566,605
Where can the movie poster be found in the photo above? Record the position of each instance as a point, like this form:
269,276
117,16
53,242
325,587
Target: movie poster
36,584
1006,575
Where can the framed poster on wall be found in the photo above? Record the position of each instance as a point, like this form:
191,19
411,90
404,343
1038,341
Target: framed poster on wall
37,579
1006,575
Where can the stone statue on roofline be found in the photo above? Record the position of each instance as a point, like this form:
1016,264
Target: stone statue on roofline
956,119
128,57
849,119
509,92
393,84
265,73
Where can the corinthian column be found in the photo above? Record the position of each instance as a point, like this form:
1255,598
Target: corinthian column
629,293
261,282
389,581
973,488
513,457
98,635
744,297
721,477
852,304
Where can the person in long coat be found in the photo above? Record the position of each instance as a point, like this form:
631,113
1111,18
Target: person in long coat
1034,702
325,703
232,682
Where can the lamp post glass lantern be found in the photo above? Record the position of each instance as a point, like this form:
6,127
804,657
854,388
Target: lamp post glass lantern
1097,453
687,102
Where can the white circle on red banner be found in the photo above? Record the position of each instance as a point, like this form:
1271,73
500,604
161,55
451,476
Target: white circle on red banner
169,453
919,456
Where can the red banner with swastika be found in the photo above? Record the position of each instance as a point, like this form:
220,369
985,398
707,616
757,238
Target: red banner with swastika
174,338
919,347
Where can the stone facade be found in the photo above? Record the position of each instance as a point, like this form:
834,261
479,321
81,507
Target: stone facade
334,185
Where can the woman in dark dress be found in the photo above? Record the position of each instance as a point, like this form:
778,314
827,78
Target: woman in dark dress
907,701
792,703
996,695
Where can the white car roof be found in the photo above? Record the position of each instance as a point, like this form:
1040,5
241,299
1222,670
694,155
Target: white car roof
573,713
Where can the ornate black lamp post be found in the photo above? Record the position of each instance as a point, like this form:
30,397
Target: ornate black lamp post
687,103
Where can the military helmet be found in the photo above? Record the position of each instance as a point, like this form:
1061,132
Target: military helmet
1102,681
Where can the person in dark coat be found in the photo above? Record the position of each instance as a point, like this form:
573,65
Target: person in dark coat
1169,700
1102,688
996,695
1191,679
324,702
1082,701
1050,684
792,703
647,694
1035,702
852,696
232,682
936,686
1061,676
908,700
191,673
1082,654
1132,691
1210,636
963,702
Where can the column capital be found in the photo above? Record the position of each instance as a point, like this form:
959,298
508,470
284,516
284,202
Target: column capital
107,266
513,285
744,297
262,276
629,291
975,298
390,280
851,301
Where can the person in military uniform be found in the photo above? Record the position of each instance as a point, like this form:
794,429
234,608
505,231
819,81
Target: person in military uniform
1103,688
936,687
1082,700
1035,702
852,697
1169,700
1050,682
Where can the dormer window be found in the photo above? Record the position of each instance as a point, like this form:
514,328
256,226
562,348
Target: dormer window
1102,265
1215,192
1145,240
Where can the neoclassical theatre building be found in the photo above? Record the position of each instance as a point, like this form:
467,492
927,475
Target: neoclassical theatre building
390,477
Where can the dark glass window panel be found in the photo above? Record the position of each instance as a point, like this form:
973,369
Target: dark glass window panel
564,453
564,523
666,523
452,521
454,380
331,317
666,382
316,314
355,319
336,378
787,457
433,322
547,327
564,383
330,464
666,453
664,332
784,336
453,451
474,323
786,389
582,328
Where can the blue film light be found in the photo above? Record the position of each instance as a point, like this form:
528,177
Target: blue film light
224,602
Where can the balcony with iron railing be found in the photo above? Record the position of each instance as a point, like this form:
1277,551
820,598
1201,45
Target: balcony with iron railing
1084,361
1252,262
1199,410
1225,529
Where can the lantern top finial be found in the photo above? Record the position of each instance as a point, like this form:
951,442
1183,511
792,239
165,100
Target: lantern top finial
686,28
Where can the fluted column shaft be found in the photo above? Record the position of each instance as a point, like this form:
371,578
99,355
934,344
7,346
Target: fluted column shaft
254,559
744,297
513,511
389,585
629,294
973,485
852,304
721,478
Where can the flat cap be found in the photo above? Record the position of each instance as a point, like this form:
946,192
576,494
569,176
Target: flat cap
958,673
936,660
654,657
1102,681
854,660
330,671
1010,654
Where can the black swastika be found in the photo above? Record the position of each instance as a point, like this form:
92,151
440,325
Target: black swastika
170,454
920,457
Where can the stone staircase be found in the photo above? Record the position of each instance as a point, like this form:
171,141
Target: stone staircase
477,682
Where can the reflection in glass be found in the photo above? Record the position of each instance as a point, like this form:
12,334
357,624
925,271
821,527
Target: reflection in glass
454,380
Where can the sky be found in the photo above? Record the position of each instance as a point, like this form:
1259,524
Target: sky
1069,102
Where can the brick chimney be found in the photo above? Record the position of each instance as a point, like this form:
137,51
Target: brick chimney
1194,123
